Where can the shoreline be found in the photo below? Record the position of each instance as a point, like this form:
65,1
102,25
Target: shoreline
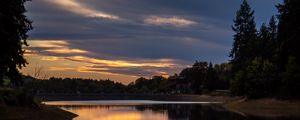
43,113
265,107
157,97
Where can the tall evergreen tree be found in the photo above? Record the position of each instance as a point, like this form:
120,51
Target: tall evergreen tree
262,42
245,35
288,31
244,46
288,38
209,83
273,42
14,26
273,29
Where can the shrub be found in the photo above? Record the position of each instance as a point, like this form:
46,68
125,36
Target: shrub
18,97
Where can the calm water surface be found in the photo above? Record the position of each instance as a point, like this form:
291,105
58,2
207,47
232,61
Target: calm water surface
151,110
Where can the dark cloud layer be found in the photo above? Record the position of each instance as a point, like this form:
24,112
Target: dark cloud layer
183,30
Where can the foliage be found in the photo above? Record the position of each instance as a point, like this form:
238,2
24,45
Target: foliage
73,85
195,75
291,79
273,69
156,84
18,98
259,76
244,40
14,26
237,84
288,31
205,76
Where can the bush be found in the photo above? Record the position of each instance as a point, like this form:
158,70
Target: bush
20,97
290,84
237,84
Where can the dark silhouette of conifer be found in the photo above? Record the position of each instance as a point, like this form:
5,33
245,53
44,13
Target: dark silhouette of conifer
13,28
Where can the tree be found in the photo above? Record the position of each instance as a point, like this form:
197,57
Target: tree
288,31
195,75
291,79
267,40
209,83
273,32
14,26
244,46
243,50
288,41
223,72
260,79
262,42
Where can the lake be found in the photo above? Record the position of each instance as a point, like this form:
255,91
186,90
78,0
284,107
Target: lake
152,110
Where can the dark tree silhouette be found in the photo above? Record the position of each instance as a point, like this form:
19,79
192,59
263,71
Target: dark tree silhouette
288,38
14,26
273,32
243,51
209,83
288,30
244,27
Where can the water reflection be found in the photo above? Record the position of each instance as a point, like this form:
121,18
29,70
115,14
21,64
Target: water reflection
159,112
107,112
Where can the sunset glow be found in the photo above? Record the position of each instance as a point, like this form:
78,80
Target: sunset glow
116,113
58,56
78,8
122,40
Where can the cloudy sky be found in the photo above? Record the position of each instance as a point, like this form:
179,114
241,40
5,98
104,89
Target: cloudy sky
125,39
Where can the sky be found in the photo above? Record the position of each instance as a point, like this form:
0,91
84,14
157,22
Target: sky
122,40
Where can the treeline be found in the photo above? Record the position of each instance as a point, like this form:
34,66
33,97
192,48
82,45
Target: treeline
200,78
265,62
72,86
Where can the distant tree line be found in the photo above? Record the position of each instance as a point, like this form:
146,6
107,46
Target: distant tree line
72,86
200,78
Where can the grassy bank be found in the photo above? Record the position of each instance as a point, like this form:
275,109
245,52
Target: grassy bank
265,107
25,113
19,105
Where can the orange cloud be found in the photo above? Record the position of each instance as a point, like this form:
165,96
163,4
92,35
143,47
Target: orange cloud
78,8
123,63
66,50
60,68
47,43
57,57
52,46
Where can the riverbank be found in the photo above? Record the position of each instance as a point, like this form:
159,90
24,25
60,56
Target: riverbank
16,104
26,113
156,97
249,107
266,107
